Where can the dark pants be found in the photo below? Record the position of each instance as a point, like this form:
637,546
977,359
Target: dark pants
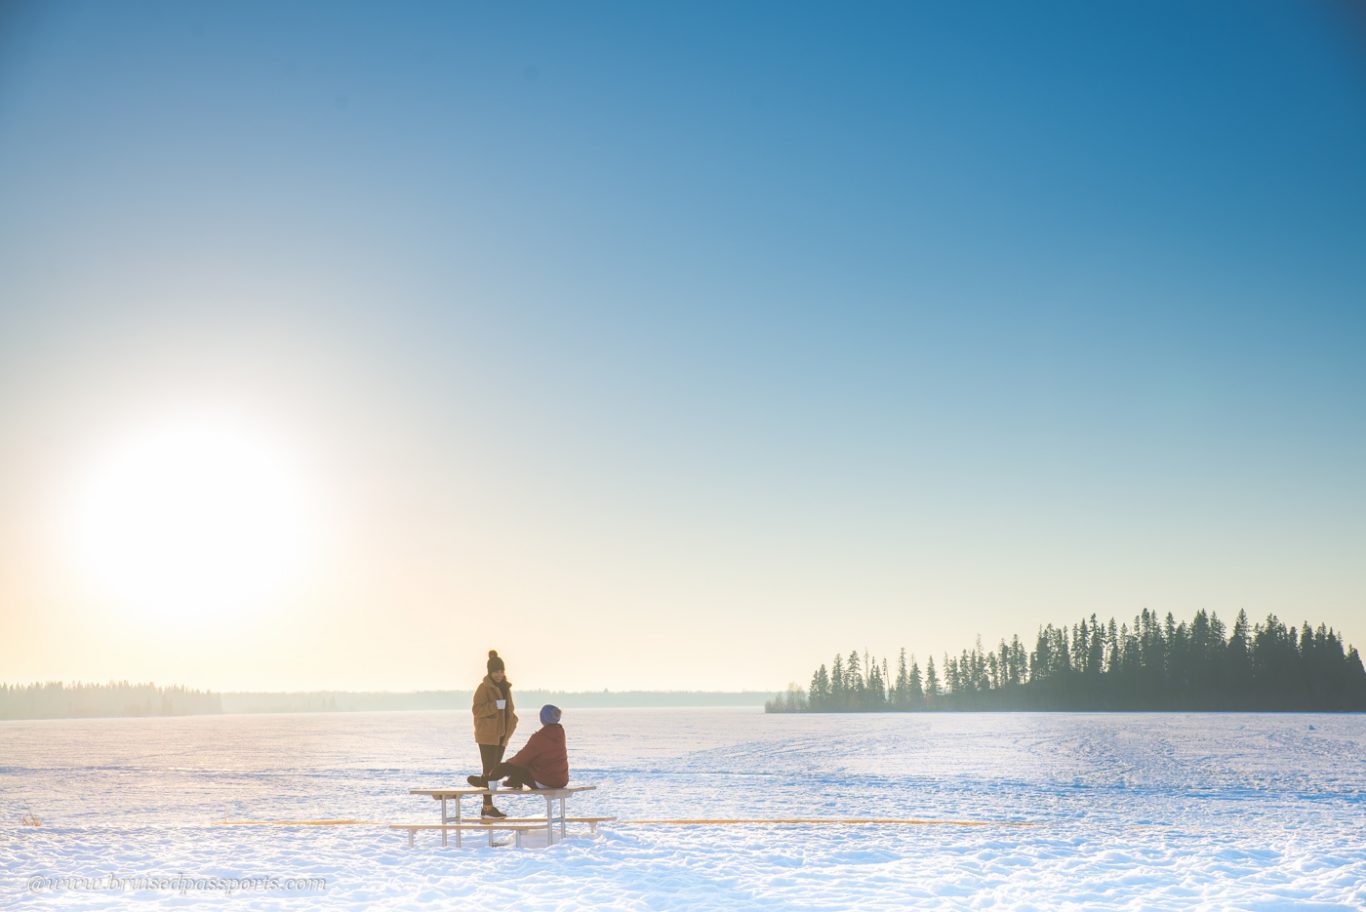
513,776
491,756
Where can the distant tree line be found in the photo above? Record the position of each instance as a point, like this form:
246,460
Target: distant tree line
1155,664
55,699
384,701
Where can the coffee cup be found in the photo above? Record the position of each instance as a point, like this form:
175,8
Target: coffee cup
502,704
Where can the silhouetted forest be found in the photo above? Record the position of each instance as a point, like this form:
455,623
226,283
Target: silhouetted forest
117,698
57,700
1155,664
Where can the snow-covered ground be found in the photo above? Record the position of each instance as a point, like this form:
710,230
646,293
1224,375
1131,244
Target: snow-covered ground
1142,811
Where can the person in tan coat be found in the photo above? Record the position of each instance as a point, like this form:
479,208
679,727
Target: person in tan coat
495,719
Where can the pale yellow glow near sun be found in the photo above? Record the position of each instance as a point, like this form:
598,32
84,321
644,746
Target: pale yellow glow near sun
199,518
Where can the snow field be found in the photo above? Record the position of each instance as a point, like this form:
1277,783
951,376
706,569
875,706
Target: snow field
1137,811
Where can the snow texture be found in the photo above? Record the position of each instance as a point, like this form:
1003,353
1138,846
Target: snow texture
1129,811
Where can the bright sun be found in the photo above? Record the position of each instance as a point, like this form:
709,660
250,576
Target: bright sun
187,519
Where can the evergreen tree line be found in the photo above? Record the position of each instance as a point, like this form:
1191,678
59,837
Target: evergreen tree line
55,699
1155,664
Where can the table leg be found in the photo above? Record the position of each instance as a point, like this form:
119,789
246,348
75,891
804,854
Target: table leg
561,818
549,820
444,843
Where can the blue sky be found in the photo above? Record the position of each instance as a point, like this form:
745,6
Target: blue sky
750,333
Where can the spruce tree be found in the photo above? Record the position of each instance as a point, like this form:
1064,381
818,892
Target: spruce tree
901,698
853,681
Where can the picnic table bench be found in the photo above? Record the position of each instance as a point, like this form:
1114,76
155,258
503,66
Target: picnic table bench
456,823
516,827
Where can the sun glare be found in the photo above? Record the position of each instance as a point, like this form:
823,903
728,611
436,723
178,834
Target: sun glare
187,519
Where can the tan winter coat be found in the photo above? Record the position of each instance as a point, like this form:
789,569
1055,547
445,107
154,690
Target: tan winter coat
491,724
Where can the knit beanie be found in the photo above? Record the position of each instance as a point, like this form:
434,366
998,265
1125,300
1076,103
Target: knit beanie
550,715
495,663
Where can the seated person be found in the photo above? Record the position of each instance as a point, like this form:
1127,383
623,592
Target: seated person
542,763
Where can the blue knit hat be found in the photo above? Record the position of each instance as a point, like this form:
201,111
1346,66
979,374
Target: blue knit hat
550,715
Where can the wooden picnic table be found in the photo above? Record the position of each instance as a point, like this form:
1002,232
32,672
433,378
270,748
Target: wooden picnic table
456,822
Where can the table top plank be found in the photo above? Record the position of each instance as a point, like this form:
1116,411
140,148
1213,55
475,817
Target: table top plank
480,827
499,793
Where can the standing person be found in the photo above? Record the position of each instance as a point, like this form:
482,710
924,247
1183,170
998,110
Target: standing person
494,722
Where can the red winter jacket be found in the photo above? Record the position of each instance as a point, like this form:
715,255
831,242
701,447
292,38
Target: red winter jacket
545,756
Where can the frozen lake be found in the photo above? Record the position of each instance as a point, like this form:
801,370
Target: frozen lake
1135,811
